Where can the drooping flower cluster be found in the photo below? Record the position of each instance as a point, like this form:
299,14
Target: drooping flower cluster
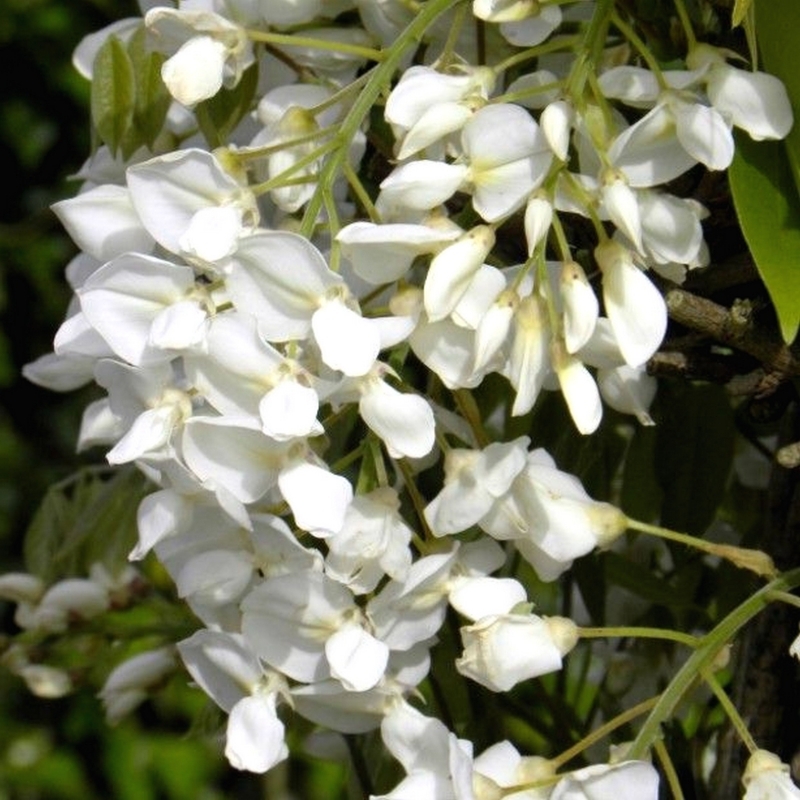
265,329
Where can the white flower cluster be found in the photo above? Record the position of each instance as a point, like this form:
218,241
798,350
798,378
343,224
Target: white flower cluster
250,311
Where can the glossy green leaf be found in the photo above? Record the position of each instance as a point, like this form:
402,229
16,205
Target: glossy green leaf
777,24
693,454
768,207
113,93
219,115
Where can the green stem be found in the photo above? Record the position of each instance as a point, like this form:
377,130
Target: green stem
292,40
552,46
686,23
755,560
589,54
469,410
633,632
245,154
380,76
669,770
731,711
644,51
785,597
283,177
703,657
604,730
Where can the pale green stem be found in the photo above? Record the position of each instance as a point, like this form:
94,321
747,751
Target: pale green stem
253,153
686,23
669,770
604,730
469,410
588,56
283,178
703,657
292,40
443,61
523,94
340,95
534,52
754,560
730,711
418,501
360,192
785,597
634,632
380,76
644,51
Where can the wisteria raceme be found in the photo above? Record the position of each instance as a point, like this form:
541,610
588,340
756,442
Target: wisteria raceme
286,314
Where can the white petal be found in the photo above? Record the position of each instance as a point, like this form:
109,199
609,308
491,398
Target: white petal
704,134
404,422
255,735
580,391
103,223
421,185
357,659
280,278
167,191
194,73
150,431
213,233
538,216
556,122
452,270
318,498
634,306
623,208
754,101
533,30
347,341
180,326
435,123
484,596
580,306
289,411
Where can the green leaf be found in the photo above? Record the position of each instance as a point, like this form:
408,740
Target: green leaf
152,98
91,520
113,93
693,454
777,24
768,207
219,115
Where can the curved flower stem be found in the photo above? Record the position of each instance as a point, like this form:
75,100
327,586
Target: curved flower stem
282,178
360,192
589,54
755,560
379,78
686,23
469,410
292,40
245,154
644,51
554,45
418,501
703,657
669,770
785,597
604,730
730,711
634,632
